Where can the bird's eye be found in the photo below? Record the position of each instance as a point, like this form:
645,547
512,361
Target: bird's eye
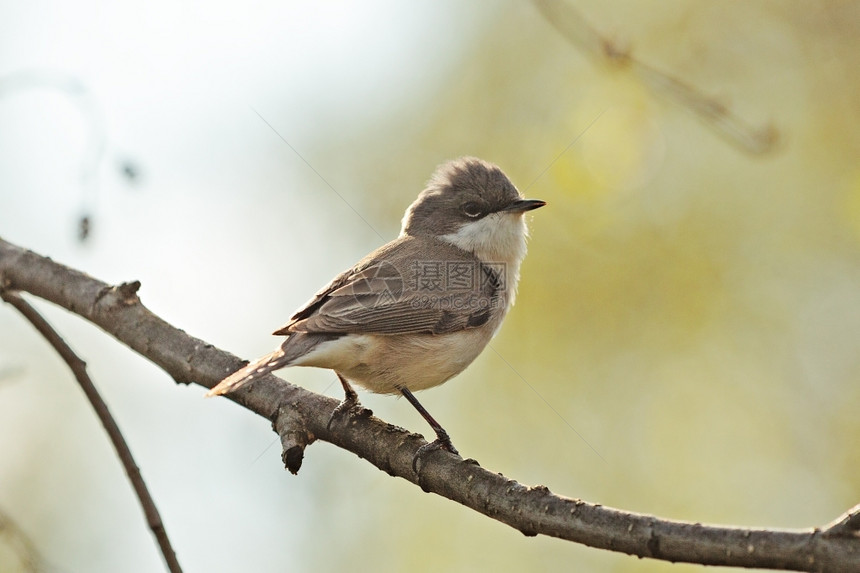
472,210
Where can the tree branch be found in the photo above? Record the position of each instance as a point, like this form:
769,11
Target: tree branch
79,369
300,417
565,18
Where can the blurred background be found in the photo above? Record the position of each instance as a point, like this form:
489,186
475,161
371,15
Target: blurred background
686,341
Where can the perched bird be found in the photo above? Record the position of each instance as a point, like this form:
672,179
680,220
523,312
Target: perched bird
418,310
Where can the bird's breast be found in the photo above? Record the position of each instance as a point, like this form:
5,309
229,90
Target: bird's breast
385,364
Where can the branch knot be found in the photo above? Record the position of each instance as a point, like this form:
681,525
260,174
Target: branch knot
291,427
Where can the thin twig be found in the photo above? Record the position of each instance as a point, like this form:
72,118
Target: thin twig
17,542
756,140
79,369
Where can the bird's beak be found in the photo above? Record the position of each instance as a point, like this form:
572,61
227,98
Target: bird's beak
523,205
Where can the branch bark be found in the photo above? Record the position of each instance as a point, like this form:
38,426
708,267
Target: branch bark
301,417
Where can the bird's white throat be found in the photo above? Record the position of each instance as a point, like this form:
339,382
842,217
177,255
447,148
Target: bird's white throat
496,238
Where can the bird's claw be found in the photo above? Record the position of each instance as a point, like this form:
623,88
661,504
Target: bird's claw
442,442
350,407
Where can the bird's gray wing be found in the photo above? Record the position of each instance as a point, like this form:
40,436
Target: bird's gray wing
316,301
352,278
386,293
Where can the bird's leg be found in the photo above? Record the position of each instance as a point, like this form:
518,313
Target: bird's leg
351,399
442,441
350,403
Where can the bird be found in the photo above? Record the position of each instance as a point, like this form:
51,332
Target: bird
418,310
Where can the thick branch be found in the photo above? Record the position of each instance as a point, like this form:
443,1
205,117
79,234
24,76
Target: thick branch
301,416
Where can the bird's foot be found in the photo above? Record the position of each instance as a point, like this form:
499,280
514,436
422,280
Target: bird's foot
349,408
442,442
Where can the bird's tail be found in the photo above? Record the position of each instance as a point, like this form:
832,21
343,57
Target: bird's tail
251,372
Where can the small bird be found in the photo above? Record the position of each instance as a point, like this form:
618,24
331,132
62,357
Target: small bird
417,311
